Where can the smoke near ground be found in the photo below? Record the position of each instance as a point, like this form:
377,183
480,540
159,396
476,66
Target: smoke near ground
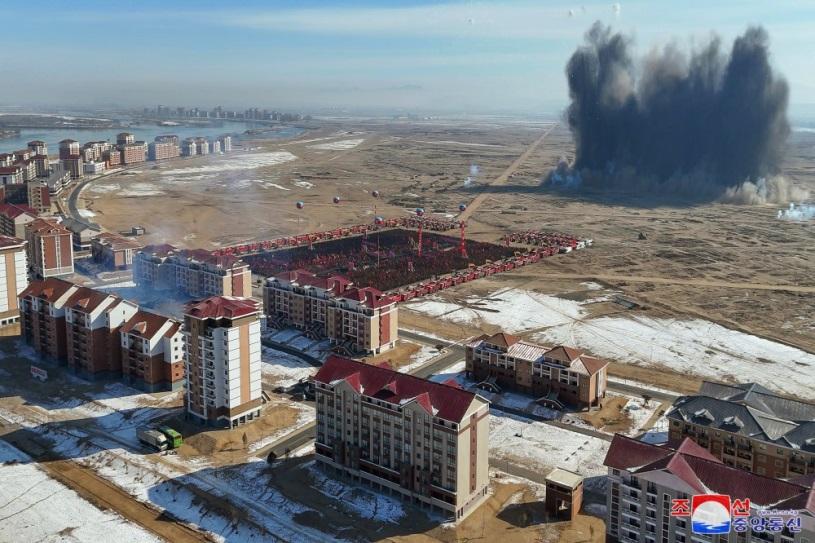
705,123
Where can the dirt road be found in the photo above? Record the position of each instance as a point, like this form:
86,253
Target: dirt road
106,495
684,282
504,177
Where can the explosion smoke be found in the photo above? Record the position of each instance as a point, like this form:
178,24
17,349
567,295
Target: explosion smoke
707,123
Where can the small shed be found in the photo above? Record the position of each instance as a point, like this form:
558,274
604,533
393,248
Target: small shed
564,494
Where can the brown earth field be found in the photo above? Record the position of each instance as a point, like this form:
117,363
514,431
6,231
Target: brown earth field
733,264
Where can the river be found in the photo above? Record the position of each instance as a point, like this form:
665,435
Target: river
52,136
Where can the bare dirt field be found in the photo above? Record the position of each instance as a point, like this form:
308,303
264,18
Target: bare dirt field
735,265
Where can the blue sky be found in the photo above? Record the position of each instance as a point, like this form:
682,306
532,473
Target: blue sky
463,56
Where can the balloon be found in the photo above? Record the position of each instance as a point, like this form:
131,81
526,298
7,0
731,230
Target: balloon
379,219
375,194
419,211
300,205
336,199
462,207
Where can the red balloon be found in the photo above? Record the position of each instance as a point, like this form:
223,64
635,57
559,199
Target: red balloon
300,205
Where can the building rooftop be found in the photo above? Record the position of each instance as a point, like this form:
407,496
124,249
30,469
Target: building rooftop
381,382
222,307
563,477
50,289
87,299
572,358
697,468
7,242
12,211
368,296
46,226
749,410
116,242
146,324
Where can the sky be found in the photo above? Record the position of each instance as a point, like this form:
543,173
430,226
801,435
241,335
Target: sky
413,56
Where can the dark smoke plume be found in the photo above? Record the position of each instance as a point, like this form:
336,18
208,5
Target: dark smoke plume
703,123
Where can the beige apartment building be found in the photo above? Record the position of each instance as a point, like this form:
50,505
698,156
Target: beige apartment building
222,360
13,278
644,479
113,250
14,217
50,248
196,273
423,441
748,427
357,320
556,376
152,352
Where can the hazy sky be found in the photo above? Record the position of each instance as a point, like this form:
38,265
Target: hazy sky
463,56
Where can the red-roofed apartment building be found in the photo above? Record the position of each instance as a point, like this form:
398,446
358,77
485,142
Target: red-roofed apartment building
93,320
50,248
42,310
197,273
359,320
113,250
13,278
14,218
153,352
645,478
423,441
557,376
222,356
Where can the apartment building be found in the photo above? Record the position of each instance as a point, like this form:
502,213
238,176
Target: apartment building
645,479
13,278
42,165
189,147
196,273
162,150
57,178
14,218
50,248
152,352
202,146
226,143
112,157
222,360
358,320
125,138
556,376
68,147
11,175
93,167
82,233
423,441
133,153
38,147
38,197
42,313
749,427
93,320
215,147
113,250
73,165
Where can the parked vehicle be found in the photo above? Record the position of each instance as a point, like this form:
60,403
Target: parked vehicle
174,438
154,439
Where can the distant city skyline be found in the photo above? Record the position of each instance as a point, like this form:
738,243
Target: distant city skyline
468,57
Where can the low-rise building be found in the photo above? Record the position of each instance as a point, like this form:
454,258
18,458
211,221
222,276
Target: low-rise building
556,377
13,278
14,218
93,321
152,352
94,168
57,178
749,427
222,358
651,487
42,310
357,320
50,248
82,233
196,273
113,250
423,441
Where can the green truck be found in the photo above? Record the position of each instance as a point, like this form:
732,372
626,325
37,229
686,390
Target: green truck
162,438
173,437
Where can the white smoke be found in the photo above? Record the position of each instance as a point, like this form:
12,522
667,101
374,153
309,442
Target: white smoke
775,190
801,212
473,174
565,176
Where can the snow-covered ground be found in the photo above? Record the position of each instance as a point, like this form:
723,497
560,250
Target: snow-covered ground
363,503
340,145
425,354
247,161
639,413
701,348
34,507
514,310
545,446
286,368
